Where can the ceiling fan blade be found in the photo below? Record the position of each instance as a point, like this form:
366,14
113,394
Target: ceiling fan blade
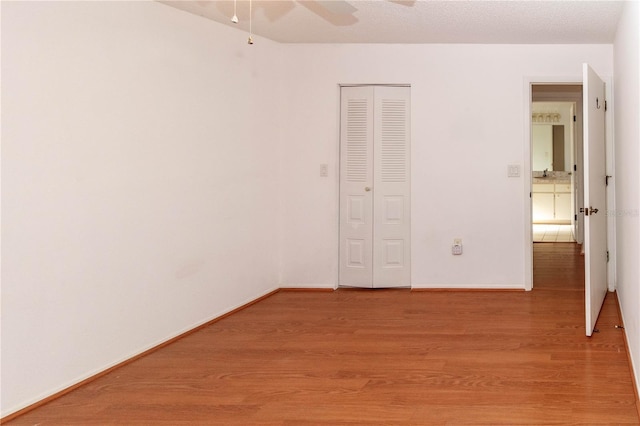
408,3
272,10
337,7
337,12
275,10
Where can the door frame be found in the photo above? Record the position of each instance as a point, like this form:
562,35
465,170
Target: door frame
338,148
529,81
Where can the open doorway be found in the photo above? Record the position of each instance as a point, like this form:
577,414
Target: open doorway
556,163
590,177
553,142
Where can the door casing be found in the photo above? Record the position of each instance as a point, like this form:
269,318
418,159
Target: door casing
527,181
382,185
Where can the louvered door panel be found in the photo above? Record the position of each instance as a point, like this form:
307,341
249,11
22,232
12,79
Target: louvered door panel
393,140
391,204
356,175
358,143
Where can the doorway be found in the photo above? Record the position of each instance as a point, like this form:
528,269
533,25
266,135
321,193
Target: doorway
375,225
556,163
591,185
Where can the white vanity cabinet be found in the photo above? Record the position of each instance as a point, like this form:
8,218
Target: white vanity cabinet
551,203
543,202
563,202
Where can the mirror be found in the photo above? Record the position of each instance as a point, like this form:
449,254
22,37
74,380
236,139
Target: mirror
548,147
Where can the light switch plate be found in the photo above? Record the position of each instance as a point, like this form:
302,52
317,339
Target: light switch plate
324,170
513,170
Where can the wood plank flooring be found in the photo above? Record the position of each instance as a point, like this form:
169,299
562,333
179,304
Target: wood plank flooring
381,357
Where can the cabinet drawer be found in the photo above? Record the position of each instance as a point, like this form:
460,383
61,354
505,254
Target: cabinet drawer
542,187
563,187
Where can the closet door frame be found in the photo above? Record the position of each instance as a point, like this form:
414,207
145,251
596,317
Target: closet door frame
386,193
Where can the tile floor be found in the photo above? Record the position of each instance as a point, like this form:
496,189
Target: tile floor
552,233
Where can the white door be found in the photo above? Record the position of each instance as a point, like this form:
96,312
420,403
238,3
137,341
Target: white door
374,187
356,183
391,189
595,227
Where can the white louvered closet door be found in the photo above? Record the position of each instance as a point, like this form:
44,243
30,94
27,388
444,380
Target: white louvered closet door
356,187
391,208
375,187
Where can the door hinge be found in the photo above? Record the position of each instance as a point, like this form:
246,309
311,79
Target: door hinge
607,255
606,180
575,118
575,167
605,105
575,217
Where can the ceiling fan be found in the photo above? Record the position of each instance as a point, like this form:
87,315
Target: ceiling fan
336,12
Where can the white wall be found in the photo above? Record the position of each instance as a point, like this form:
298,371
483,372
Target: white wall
627,175
139,183
467,126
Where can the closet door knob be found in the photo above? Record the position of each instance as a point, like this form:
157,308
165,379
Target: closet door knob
366,188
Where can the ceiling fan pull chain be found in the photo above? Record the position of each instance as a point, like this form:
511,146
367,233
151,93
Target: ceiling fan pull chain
250,41
234,18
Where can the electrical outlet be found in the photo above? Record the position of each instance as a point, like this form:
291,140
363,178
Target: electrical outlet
456,248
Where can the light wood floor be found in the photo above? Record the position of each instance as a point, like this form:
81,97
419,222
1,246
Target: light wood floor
381,357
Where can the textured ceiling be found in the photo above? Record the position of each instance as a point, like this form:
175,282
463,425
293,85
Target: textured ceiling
420,21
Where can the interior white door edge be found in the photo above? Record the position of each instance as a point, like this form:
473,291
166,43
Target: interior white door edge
595,205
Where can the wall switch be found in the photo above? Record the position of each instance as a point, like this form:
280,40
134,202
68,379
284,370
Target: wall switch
324,170
513,170
456,248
